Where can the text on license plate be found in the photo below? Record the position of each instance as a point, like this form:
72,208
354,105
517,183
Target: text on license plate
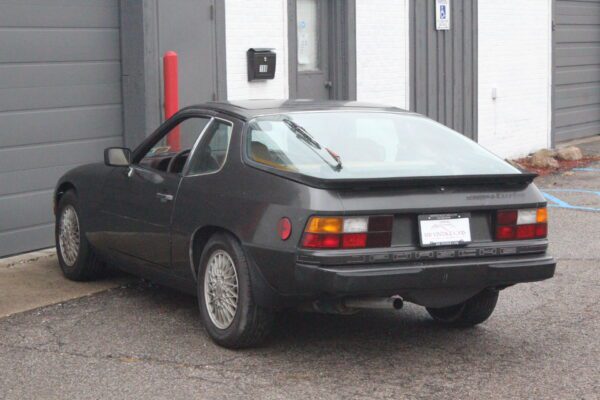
444,229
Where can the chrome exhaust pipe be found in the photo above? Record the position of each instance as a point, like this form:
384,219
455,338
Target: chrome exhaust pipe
378,303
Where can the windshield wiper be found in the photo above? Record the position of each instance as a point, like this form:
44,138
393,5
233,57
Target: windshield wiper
309,140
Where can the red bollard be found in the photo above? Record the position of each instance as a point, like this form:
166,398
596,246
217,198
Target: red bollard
171,82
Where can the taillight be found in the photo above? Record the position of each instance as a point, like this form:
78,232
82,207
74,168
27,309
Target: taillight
348,232
531,223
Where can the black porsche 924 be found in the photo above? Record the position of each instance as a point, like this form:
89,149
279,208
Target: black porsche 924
260,206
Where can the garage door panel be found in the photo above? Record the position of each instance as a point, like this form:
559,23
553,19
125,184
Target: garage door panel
54,126
16,182
576,8
577,34
48,155
59,74
26,239
23,210
46,45
60,13
578,115
580,130
577,74
576,80
578,95
59,97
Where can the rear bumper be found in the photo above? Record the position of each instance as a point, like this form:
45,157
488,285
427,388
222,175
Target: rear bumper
420,281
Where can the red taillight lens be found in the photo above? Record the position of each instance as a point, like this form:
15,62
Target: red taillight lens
284,228
354,240
348,232
541,230
525,231
507,217
321,241
505,232
521,224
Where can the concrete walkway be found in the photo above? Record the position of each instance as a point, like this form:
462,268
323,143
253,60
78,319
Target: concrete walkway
34,280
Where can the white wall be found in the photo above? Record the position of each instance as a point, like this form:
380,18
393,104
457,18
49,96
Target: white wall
256,23
382,51
515,58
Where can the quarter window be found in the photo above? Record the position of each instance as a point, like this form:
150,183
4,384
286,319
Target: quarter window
211,152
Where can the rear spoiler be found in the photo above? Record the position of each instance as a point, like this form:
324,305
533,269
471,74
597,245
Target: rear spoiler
521,179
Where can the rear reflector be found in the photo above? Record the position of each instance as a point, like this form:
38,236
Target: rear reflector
284,228
521,224
348,232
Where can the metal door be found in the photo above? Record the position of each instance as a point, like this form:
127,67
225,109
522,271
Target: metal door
443,65
576,77
312,36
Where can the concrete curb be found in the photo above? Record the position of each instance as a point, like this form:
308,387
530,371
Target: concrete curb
32,280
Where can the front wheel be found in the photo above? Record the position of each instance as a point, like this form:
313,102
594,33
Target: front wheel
470,313
75,255
225,297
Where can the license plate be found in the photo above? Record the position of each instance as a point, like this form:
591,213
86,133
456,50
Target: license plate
444,229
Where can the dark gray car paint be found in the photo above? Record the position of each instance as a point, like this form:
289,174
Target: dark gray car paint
129,226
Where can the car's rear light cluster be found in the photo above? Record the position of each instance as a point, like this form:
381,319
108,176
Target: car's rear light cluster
348,232
531,223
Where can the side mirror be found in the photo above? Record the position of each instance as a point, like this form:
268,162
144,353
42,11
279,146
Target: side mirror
117,157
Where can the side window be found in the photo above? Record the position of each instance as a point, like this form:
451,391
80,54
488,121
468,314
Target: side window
178,140
212,150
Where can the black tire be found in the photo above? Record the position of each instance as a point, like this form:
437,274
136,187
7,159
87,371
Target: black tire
470,313
87,265
251,323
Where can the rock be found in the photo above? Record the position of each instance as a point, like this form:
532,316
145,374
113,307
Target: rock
543,159
571,153
546,153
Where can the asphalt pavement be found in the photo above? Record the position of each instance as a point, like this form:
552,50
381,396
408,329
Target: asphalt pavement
145,341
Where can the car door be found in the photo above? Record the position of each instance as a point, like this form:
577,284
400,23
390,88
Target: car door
139,199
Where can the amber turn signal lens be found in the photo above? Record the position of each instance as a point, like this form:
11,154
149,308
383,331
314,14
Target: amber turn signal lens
542,215
325,225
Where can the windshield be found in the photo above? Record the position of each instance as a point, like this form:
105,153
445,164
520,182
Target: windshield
362,145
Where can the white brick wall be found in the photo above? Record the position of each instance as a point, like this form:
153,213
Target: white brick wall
382,51
514,58
256,23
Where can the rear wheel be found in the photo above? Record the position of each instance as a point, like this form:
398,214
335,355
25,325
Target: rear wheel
225,297
472,312
75,255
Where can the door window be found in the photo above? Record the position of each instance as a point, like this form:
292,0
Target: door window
170,154
211,153
308,35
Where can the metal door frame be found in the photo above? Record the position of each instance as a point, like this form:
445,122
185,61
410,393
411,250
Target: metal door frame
342,49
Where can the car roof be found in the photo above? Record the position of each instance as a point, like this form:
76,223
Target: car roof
248,109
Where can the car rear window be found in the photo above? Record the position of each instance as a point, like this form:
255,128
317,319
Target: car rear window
362,145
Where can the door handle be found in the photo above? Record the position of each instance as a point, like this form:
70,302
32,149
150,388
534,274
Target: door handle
164,197
328,84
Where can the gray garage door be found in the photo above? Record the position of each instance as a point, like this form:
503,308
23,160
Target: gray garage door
576,69
60,105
